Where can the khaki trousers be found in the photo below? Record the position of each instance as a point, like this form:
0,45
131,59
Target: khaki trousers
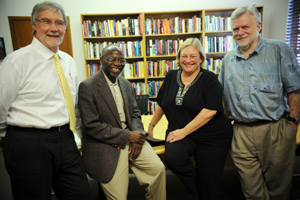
148,169
264,156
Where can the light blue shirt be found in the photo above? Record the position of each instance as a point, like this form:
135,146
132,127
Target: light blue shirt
256,88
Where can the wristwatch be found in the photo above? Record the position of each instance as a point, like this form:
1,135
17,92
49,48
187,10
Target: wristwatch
295,120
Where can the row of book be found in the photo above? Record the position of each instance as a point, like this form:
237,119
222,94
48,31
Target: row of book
134,70
215,23
173,25
160,67
219,44
213,65
129,48
139,88
162,47
153,87
93,68
112,27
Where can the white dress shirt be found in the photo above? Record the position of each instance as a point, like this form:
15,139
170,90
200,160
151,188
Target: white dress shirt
30,91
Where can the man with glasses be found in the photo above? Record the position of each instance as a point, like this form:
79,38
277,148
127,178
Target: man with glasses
113,137
38,90
261,91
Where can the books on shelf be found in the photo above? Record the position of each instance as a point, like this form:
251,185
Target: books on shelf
129,48
217,23
112,27
152,107
160,67
93,68
153,87
213,65
139,88
162,47
173,25
134,70
219,44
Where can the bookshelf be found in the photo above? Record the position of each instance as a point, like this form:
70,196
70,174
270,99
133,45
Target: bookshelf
150,41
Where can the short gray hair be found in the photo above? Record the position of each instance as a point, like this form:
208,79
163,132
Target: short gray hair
245,9
110,48
195,42
45,6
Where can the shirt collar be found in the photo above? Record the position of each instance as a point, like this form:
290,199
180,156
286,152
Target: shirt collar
108,81
43,50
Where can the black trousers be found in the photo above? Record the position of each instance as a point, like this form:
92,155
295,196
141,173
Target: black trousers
38,160
206,178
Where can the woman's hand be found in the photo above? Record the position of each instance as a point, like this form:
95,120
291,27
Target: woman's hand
176,135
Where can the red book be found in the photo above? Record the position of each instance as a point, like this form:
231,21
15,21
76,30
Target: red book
141,25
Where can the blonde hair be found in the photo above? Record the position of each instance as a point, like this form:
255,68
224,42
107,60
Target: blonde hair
195,42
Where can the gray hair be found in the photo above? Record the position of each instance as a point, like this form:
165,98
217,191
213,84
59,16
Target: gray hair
110,48
195,42
245,9
45,6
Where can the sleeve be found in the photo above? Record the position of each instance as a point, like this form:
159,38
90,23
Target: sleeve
10,81
213,94
290,69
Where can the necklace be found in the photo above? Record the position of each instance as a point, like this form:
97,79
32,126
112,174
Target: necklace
181,92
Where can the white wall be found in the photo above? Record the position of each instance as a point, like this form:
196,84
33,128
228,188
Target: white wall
274,16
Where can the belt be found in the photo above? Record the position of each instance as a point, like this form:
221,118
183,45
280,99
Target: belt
52,129
256,123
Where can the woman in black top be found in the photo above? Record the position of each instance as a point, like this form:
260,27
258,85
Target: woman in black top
191,99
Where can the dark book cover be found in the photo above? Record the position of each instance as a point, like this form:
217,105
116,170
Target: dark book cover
129,26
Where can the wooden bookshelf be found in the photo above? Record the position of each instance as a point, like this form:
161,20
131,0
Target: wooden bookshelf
143,38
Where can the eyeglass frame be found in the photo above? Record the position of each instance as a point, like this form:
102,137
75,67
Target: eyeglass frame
108,58
56,23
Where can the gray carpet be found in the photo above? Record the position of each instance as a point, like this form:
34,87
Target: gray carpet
175,189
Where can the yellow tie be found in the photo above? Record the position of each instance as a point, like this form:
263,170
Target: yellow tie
67,93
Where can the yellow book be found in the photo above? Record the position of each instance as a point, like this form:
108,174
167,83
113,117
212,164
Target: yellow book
142,68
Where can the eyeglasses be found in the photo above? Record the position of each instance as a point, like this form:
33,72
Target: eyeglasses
48,23
111,59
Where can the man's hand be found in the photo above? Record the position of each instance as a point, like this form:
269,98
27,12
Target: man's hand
134,150
137,137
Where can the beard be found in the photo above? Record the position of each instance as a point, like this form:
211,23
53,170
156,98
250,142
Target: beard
242,45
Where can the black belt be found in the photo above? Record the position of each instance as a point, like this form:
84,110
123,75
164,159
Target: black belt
52,129
256,123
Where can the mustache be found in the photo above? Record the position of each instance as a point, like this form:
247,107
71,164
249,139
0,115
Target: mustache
241,37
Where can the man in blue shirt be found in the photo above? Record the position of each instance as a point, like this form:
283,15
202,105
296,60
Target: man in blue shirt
261,82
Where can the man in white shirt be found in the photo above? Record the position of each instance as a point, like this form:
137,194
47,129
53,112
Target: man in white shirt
39,149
